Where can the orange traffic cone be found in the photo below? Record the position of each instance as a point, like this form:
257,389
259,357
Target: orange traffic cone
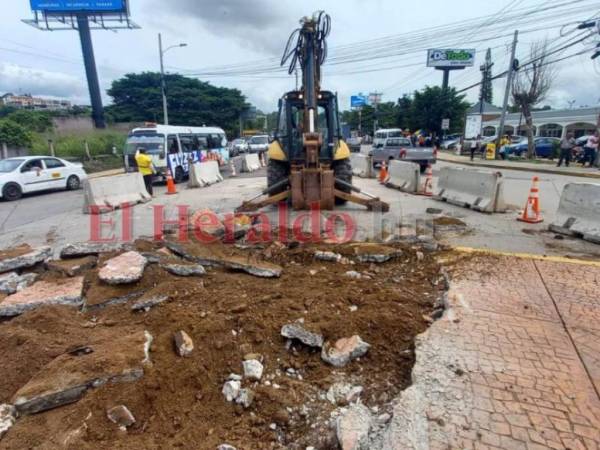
428,187
533,202
383,173
170,183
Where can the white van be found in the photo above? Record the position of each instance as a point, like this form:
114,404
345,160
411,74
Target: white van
383,134
173,146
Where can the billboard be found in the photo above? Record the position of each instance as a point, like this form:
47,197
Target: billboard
473,126
69,6
450,57
356,101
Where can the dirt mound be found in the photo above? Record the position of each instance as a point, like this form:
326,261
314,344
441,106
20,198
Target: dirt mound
178,402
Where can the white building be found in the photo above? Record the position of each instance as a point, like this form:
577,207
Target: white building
551,123
27,101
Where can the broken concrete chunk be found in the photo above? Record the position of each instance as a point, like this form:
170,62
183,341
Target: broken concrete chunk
344,351
90,248
62,292
332,257
121,416
262,270
183,344
123,269
7,418
352,428
297,331
12,282
245,398
145,303
66,378
377,257
231,390
22,257
343,394
253,370
226,447
72,267
183,270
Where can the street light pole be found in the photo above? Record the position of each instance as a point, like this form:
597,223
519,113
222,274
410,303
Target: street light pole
163,83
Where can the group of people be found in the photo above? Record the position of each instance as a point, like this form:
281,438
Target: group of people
568,146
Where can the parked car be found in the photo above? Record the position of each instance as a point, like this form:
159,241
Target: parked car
450,141
238,146
544,147
402,149
258,144
582,141
23,175
354,144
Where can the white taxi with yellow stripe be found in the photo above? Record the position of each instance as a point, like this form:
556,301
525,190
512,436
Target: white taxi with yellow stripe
22,175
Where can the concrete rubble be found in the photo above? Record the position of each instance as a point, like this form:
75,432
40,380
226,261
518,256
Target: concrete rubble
121,416
245,398
64,292
253,370
67,378
80,249
226,447
12,282
231,390
352,428
185,270
27,257
123,269
149,301
7,418
183,344
72,267
297,331
332,257
343,394
344,350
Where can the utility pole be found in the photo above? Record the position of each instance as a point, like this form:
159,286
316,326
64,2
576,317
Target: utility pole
89,62
163,83
509,80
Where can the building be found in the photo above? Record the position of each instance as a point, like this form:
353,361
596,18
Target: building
550,123
27,101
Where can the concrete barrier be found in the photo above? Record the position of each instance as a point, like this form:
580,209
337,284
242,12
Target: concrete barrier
579,212
405,176
108,193
362,165
238,163
204,174
481,190
251,162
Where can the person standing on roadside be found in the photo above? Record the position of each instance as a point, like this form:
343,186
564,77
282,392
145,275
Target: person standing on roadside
146,168
567,144
474,146
591,149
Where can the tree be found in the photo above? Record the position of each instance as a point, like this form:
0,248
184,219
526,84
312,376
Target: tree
433,104
137,98
13,134
39,121
531,86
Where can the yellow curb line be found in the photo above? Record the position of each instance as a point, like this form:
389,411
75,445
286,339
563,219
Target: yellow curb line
558,259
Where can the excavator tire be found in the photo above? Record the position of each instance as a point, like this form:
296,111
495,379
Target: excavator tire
342,169
277,171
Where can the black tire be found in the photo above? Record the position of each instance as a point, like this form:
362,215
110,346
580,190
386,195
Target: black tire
12,192
73,183
342,170
178,176
277,171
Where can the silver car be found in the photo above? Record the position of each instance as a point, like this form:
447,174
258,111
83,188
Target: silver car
402,149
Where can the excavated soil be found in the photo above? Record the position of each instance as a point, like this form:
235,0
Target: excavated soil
178,402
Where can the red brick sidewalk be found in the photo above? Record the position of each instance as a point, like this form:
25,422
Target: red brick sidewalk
511,365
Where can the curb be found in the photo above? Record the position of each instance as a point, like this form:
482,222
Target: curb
442,157
558,259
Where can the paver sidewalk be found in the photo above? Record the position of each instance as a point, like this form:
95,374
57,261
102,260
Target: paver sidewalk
511,365
574,171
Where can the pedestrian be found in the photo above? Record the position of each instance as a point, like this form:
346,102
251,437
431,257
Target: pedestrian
591,149
567,144
474,146
146,168
504,143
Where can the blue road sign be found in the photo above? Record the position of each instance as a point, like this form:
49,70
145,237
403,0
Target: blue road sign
356,101
77,5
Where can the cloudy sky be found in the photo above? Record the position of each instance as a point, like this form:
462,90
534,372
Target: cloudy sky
227,32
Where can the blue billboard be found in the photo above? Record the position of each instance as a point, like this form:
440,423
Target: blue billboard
356,101
77,5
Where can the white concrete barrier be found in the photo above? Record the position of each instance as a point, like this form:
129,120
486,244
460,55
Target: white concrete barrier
404,175
107,193
251,162
204,174
579,212
362,165
481,190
